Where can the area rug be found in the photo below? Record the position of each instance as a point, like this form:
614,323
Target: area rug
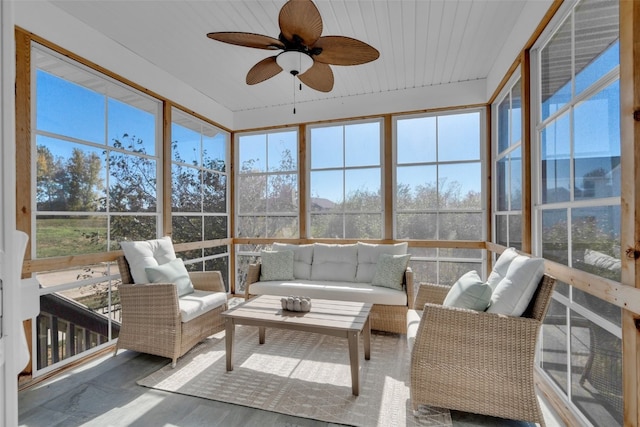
302,374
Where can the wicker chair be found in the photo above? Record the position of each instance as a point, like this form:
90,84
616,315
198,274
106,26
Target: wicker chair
151,319
477,362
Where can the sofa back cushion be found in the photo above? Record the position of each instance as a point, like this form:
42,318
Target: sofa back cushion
147,253
302,258
334,262
368,255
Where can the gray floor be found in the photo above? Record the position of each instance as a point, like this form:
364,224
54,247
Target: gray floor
104,393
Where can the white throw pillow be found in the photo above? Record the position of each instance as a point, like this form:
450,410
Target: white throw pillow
172,272
368,255
336,263
513,292
390,271
302,258
469,292
147,253
276,265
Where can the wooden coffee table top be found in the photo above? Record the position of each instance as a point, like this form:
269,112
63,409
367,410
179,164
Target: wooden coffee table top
266,310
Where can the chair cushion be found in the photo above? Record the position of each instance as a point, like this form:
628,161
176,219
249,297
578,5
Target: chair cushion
276,265
334,262
469,292
368,255
516,278
342,291
199,302
147,253
171,272
413,321
390,270
302,258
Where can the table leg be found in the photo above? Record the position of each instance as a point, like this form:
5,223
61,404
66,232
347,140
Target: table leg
230,329
354,358
261,330
366,331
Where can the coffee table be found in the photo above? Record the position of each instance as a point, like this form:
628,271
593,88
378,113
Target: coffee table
336,318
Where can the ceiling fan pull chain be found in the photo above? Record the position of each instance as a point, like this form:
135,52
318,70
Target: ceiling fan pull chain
294,94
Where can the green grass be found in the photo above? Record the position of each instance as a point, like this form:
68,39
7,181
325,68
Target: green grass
70,236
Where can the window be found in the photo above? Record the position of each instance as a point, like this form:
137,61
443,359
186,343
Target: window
439,191
266,192
578,206
345,177
95,167
508,167
199,153
267,184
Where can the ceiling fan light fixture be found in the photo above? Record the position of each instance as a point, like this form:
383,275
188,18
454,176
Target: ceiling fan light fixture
294,62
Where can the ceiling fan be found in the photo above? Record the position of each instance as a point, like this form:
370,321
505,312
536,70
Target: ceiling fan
305,53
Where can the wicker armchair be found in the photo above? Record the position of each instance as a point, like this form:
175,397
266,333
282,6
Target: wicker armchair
151,319
477,362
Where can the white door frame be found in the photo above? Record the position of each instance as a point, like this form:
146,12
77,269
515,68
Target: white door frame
9,270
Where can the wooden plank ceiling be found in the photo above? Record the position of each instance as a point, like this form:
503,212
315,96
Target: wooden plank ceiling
421,42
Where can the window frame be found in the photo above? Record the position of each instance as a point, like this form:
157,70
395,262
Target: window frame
344,169
441,257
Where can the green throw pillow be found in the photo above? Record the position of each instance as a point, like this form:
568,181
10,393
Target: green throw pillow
276,265
469,292
390,270
171,272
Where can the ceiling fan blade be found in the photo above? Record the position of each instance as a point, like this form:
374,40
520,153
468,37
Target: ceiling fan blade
340,50
257,41
300,22
318,77
263,70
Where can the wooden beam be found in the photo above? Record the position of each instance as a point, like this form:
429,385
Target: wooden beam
630,204
231,208
527,151
550,394
23,136
167,223
488,183
302,182
387,182
70,261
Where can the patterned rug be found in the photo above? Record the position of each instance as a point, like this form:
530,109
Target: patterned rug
302,374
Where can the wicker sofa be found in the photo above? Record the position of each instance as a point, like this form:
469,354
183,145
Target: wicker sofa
476,361
155,320
331,272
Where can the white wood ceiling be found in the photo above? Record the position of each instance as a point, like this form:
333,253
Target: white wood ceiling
422,43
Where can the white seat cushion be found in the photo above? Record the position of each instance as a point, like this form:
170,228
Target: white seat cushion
413,321
199,302
343,291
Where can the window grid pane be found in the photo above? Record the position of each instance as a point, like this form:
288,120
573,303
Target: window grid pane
345,181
